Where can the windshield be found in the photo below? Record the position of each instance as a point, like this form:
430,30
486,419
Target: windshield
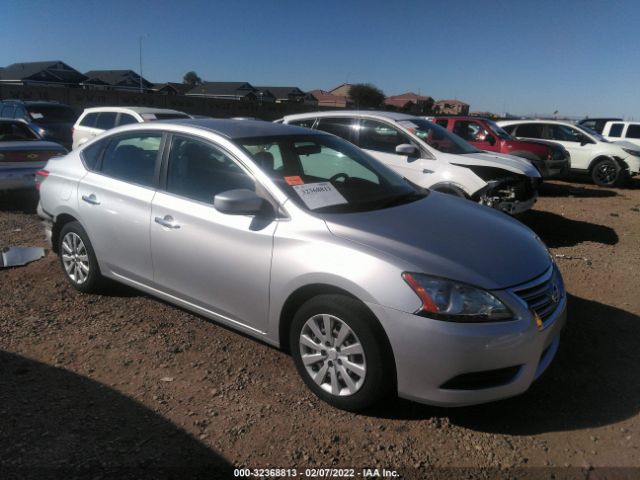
437,137
498,130
593,133
51,114
326,174
15,131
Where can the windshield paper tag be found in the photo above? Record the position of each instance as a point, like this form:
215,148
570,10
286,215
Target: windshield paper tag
318,195
294,180
36,116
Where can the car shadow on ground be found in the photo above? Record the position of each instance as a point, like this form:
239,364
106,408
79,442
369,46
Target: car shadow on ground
57,424
557,189
22,201
558,231
592,382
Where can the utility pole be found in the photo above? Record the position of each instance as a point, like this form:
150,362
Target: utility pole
140,40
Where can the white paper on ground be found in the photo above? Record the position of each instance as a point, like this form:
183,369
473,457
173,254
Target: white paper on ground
318,195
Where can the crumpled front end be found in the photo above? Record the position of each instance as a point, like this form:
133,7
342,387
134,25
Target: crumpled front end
512,194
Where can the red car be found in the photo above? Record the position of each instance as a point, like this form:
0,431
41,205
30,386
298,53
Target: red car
551,159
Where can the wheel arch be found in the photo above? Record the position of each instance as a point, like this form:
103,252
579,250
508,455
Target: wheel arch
447,187
59,223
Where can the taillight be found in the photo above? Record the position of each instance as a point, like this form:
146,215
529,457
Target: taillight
41,175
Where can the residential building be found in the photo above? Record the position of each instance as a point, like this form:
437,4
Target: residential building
53,73
451,107
242,91
126,80
327,99
410,102
342,90
172,88
285,94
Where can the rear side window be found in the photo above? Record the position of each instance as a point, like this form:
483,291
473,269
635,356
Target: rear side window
306,123
106,120
616,129
15,131
170,116
342,127
198,170
530,130
126,119
89,120
132,158
442,122
633,131
91,155
380,137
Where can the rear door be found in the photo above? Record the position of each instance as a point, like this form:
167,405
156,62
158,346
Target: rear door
216,261
115,203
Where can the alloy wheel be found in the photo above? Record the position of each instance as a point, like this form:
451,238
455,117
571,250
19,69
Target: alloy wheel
75,258
607,173
332,355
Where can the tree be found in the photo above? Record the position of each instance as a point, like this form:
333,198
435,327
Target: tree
365,95
191,78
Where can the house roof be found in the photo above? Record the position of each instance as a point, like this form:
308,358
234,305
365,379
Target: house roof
452,102
223,89
282,92
323,96
181,88
116,78
51,70
403,99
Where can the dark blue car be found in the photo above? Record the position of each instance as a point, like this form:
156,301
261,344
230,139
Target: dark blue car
51,121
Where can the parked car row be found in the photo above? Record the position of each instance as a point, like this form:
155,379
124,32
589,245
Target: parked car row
299,238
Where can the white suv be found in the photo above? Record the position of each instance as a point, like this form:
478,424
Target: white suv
622,131
94,121
609,164
432,157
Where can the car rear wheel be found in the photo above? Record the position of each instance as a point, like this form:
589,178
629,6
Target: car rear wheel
78,258
341,353
608,173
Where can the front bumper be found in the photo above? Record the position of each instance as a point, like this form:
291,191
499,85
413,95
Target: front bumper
554,168
430,353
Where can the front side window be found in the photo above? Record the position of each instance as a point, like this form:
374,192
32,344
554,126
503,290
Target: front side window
633,131
341,126
529,130
443,122
564,133
106,120
7,111
437,137
616,130
132,158
126,119
199,170
326,174
470,131
380,137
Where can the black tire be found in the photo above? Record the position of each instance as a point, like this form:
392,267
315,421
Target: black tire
608,173
94,280
379,378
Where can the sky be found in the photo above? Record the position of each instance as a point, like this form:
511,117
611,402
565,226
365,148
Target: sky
520,56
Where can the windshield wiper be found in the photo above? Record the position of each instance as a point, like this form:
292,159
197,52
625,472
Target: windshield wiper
402,199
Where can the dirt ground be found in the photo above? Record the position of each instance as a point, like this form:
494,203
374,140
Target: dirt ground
122,385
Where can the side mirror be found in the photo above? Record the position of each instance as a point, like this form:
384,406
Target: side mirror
408,149
239,202
490,139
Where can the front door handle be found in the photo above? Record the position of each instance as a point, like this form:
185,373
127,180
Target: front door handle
167,221
91,199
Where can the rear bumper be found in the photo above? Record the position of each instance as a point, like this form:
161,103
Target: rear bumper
17,178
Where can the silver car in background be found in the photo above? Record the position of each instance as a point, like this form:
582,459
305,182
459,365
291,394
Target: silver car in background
302,240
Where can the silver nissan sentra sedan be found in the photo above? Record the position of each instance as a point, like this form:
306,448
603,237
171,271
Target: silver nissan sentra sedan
300,239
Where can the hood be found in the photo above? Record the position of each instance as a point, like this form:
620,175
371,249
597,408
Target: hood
449,237
625,144
549,143
31,145
513,164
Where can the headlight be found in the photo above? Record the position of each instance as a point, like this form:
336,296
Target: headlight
635,153
444,299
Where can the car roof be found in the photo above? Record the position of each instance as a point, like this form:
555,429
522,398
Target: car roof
536,120
231,129
131,109
395,116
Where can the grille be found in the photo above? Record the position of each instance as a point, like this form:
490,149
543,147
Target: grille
484,379
544,295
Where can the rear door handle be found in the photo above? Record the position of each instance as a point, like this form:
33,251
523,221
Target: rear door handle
167,221
91,199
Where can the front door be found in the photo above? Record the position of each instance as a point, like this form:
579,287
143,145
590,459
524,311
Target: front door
216,261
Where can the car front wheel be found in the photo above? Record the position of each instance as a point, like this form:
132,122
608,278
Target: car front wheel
78,258
608,173
341,353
